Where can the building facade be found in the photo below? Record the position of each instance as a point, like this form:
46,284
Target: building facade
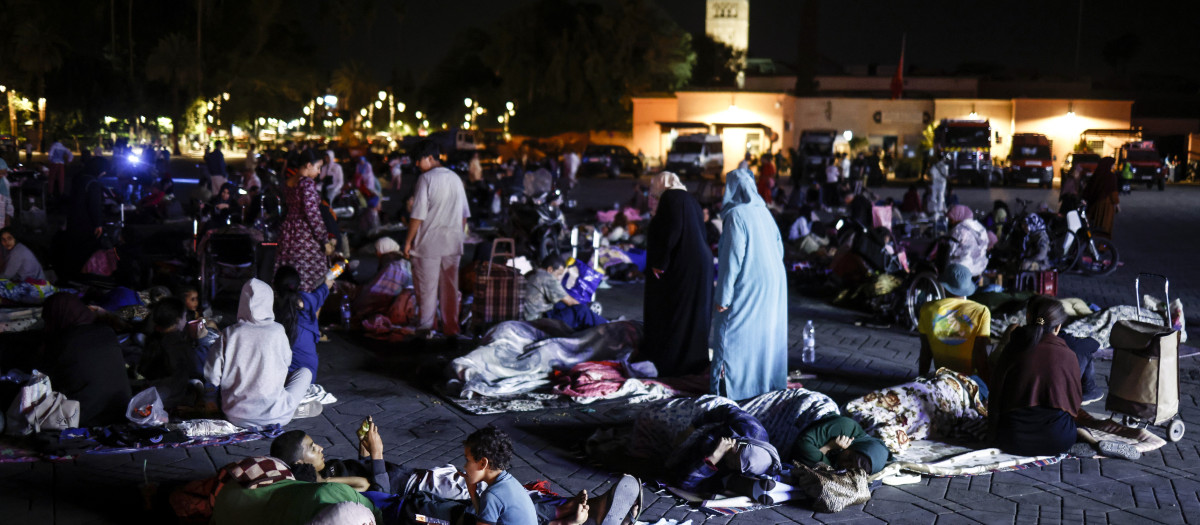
757,122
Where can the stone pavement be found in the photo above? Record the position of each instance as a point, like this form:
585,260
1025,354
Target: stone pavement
391,382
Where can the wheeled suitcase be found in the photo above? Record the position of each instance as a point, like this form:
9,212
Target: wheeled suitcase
1144,382
499,289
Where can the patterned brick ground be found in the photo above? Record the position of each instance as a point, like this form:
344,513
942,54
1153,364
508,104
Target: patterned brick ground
421,429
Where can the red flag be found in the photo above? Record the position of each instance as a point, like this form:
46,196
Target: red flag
898,78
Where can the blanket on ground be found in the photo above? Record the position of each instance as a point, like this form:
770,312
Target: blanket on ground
595,380
518,356
947,405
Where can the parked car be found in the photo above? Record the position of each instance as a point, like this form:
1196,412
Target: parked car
696,155
613,160
1087,163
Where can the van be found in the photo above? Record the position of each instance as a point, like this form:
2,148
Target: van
696,155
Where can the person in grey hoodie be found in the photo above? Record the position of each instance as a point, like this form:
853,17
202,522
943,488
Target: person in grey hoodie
250,368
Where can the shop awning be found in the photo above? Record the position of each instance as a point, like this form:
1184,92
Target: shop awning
766,129
666,127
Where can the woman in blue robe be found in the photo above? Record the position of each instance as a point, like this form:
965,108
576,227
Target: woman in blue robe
750,327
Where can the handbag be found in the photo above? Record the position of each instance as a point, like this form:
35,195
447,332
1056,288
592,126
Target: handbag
37,407
831,490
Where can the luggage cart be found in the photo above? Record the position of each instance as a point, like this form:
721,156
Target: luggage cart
1143,387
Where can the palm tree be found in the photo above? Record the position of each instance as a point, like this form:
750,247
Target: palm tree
39,54
171,63
354,88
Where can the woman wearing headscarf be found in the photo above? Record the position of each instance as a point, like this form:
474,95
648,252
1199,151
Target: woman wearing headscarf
393,276
970,240
332,178
1103,199
677,309
1035,245
1035,391
84,361
302,238
17,261
750,337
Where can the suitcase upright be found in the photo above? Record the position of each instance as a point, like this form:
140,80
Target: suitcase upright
499,289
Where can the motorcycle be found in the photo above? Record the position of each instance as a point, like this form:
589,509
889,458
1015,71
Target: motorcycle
1074,246
537,224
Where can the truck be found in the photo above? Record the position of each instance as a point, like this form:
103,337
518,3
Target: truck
967,146
1147,165
696,155
1030,161
816,151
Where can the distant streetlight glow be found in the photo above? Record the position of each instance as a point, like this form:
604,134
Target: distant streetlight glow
418,115
479,110
378,104
383,95
210,105
225,95
848,135
339,121
467,102
307,110
331,100
400,107
262,121
508,105
363,112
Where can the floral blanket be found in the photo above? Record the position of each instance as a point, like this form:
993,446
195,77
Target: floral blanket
945,406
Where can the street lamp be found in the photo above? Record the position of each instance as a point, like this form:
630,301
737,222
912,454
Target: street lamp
382,96
467,102
225,95
400,107
508,105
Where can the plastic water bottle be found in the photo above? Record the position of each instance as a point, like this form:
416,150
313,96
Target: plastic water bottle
345,314
809,353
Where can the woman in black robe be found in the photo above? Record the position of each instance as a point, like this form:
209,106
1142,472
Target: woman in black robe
84,362
677,310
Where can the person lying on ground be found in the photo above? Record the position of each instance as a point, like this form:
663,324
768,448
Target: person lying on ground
703,440
839,441
250,367
371,472
947,405
546,297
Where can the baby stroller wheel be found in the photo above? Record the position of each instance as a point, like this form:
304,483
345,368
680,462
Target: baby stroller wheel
1175,430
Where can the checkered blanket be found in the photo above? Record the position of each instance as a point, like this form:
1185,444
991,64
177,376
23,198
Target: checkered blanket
257,471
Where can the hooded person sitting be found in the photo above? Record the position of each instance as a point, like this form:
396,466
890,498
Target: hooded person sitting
250,367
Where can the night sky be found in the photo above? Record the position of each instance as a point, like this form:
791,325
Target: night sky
1025,37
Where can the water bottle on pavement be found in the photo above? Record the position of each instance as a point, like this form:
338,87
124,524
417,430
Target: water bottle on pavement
345,313
809,353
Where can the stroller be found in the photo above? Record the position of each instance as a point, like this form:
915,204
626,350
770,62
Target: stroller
1144,384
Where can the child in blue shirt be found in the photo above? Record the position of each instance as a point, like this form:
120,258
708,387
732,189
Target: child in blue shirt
297,311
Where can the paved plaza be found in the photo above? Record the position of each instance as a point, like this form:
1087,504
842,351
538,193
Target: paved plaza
1155,232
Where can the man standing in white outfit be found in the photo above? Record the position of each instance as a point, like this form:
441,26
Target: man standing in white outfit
435,238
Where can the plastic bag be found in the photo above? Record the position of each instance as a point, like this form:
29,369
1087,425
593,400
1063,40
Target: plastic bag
146,409
581,281
37,407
